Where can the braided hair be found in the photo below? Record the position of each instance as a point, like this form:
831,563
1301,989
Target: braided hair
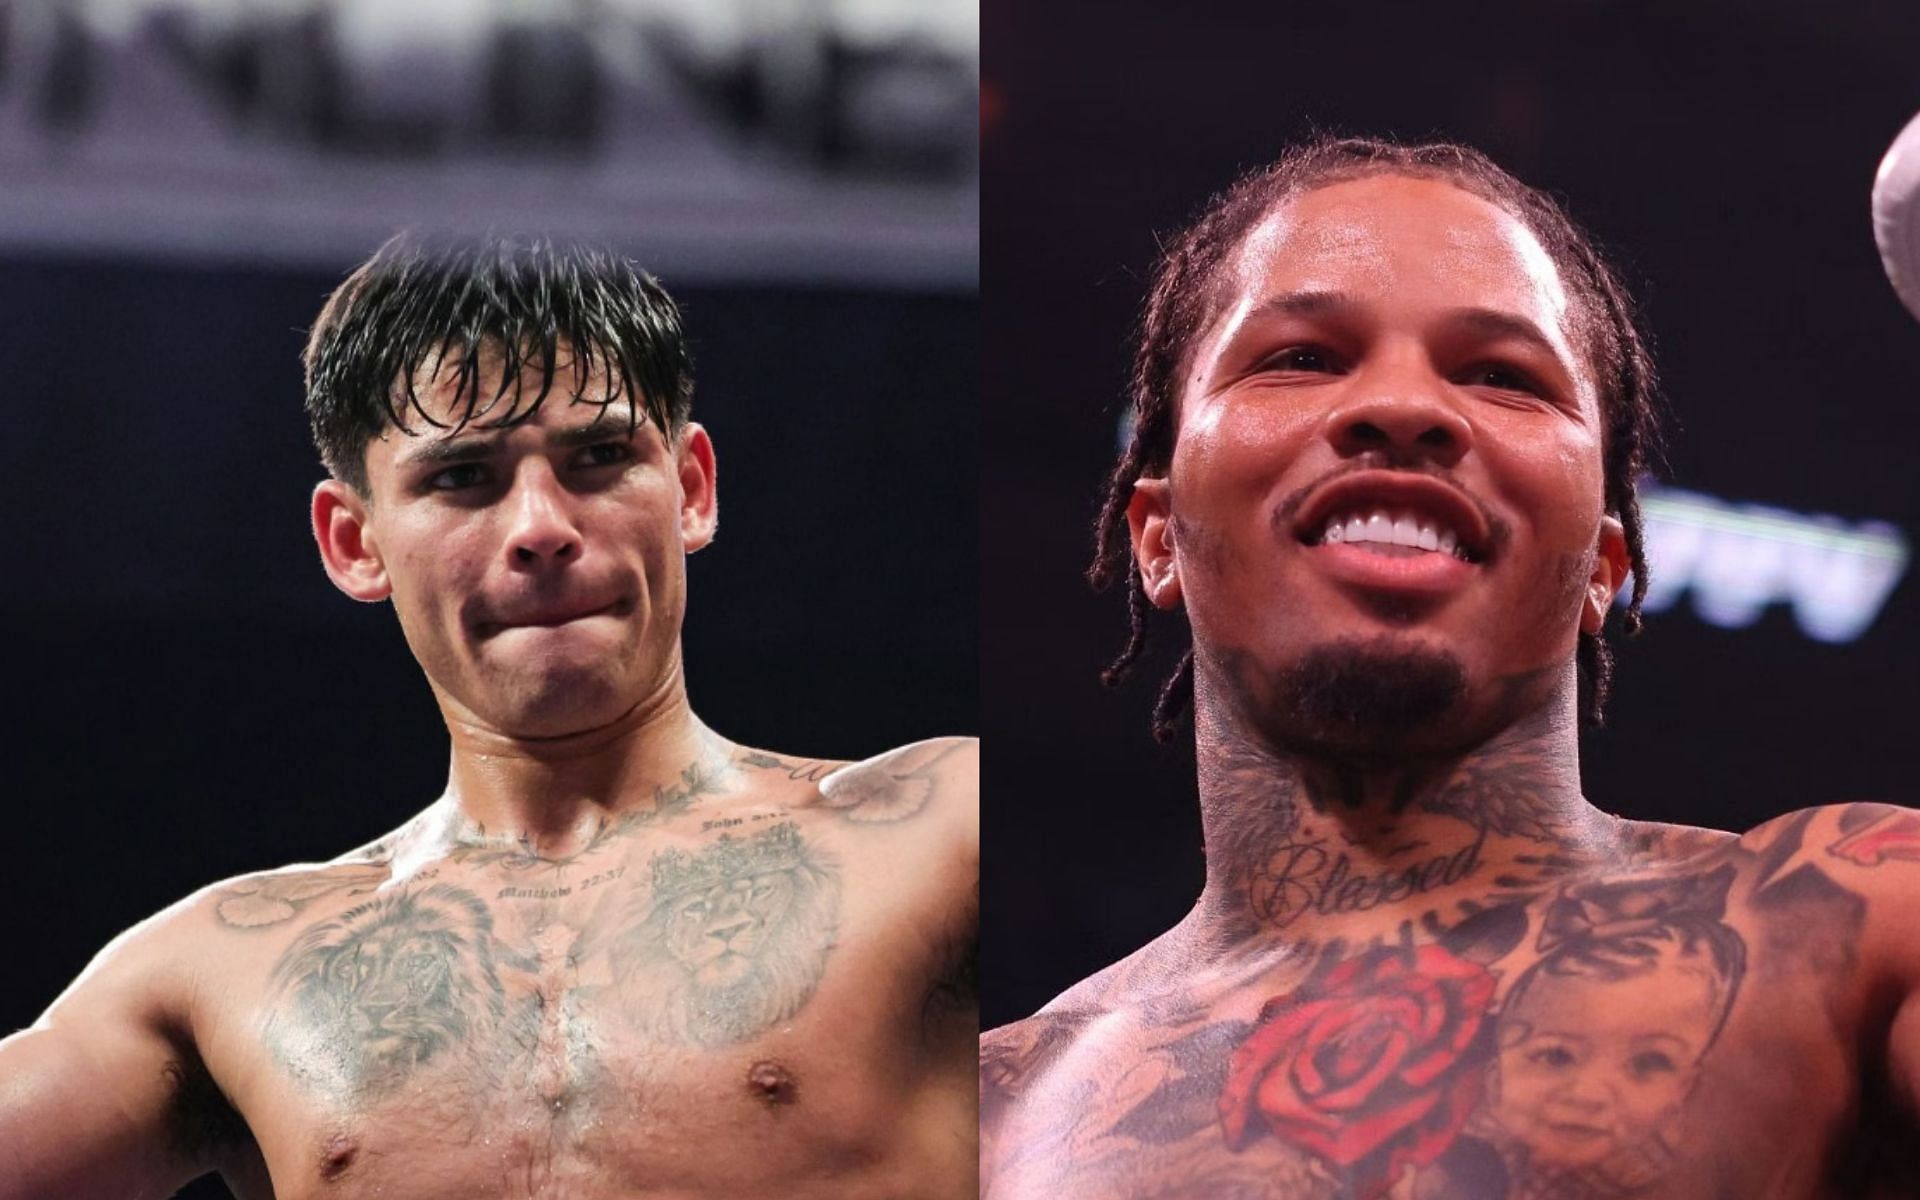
1188,291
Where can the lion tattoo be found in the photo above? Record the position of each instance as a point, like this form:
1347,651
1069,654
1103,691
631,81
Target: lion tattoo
730,940
384,988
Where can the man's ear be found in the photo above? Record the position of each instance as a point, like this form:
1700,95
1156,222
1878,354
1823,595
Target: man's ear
699,499
1150,526
1610,567
347,546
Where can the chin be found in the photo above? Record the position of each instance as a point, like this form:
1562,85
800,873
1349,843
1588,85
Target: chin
1382,695
559,704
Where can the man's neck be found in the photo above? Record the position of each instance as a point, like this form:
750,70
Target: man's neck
1303,846
550,798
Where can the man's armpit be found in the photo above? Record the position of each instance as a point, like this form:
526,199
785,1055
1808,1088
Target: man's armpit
202,1126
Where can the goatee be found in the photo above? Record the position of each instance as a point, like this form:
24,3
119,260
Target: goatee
1366,697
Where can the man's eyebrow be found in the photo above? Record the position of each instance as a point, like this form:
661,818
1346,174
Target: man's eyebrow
1494,323
1485,322
473,446
467,446
1304,304
603,429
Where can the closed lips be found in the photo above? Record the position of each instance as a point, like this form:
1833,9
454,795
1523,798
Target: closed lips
546,618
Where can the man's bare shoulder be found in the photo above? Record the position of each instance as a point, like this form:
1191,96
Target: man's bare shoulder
275,897
938,776
1863,857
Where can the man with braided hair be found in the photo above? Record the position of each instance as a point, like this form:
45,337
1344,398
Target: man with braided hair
1389,409
622,955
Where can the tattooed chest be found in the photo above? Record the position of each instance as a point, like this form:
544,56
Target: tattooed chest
419,986
1614,1043
705,945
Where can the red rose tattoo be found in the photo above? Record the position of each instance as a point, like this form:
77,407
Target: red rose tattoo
1374,1067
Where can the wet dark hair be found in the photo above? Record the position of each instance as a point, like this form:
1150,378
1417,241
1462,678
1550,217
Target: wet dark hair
421,302
1189,286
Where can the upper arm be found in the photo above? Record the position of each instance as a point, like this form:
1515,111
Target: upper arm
914,812
91,1094
1870,855
935,782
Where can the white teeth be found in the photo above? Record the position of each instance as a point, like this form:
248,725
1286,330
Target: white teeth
1385,529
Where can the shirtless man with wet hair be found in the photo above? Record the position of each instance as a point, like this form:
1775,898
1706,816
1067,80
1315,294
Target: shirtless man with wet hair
1390,406
621,956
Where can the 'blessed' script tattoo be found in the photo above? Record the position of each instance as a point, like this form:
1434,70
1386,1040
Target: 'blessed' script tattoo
1306,874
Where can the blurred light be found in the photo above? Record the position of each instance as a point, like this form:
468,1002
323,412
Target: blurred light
809,139
1737,560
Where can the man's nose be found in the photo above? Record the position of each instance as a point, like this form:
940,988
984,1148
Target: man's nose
1404,416
543,531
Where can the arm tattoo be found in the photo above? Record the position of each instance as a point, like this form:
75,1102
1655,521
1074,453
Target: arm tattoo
1874,835
731,939
275,899
892,789
365,1000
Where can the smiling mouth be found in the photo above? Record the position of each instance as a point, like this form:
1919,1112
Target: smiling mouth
1396,534
1394,514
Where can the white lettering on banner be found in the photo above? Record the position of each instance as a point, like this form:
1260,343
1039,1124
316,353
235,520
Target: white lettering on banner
1737,560
309,130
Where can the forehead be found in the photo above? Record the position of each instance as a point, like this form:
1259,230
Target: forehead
449,421
1400,242
1676,997
444,389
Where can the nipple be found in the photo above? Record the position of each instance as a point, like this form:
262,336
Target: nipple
772,1083
336,1157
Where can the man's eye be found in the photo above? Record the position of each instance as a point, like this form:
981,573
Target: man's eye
1503,378
606,454
458,478
1301,358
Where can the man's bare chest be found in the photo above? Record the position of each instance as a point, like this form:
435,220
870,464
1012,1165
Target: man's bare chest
1329,1108
1666,1034
527,1028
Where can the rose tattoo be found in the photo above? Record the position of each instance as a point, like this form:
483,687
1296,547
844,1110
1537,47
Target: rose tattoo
1373,1067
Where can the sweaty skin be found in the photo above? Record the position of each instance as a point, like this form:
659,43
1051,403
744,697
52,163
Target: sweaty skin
737,963
1423,966
621,957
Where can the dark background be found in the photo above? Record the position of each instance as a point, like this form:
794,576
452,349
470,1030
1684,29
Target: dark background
189,698
1724,152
